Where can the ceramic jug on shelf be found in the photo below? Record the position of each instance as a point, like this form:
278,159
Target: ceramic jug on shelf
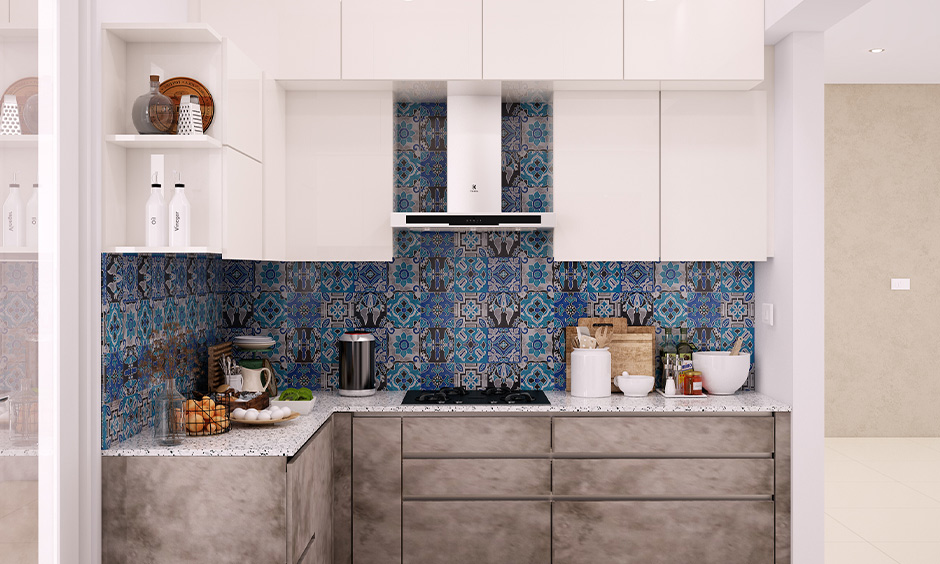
252,379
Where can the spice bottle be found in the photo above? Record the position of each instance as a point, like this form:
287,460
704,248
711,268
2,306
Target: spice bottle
696,377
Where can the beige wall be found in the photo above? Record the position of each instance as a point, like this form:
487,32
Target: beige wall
882,221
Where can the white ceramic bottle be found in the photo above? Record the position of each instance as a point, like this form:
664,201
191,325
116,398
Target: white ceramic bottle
32,219
179,217
156,221
14,232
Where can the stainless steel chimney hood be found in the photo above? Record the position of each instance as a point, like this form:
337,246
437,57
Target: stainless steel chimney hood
474,161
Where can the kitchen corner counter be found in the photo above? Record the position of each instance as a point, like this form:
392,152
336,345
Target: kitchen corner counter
288,438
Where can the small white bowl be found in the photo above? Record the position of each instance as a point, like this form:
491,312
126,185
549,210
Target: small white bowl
634,386
301,407
722,374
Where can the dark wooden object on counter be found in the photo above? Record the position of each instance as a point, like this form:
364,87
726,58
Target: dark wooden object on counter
216,376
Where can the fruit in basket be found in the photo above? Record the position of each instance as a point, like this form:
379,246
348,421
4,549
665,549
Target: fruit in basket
192,405
194,422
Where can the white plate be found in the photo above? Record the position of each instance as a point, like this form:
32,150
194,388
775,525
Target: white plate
255,346
252,339
662,393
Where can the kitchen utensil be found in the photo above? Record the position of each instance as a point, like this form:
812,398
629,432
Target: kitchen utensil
24,89
632,349
736,349
588,343
582,332
177,87
220,356
722,374
190,118
590,373
603,333
356,364
635,386
10,116
251,379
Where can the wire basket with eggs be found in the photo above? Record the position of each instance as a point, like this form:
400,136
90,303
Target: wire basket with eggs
205,417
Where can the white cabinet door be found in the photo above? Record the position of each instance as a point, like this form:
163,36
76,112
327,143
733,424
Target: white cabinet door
714,176
606,167
23,13
720,40
242,221
338,182
553,39
288,39
424,39
241,114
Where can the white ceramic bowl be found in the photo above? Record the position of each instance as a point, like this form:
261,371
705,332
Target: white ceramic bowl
301,407
722,374
634,386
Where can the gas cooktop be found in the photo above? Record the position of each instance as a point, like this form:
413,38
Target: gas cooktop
492,395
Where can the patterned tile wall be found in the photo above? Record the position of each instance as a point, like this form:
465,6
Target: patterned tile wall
19,282
159,313
473,308
421,157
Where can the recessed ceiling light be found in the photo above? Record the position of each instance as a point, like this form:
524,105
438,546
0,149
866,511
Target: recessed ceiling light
877,50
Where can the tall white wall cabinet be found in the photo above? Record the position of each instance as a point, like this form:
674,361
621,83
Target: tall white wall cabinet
289,39
553,40
692,45
426,40
606,166
714,176
221,168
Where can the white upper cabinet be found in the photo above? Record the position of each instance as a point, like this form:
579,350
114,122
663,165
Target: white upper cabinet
242,220
694,40
553,39
416,40
714,176
23,13
606,167
288,39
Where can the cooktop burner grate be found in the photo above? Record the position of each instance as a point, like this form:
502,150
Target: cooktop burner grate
492,395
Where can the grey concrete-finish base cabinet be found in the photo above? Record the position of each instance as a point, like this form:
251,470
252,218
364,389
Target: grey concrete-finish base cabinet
373,488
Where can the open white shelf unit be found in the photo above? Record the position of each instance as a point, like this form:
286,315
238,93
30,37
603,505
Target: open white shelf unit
19,154
221,169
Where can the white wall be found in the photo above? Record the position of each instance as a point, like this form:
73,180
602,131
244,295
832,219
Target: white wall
791,353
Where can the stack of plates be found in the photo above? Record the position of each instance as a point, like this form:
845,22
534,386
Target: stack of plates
253,342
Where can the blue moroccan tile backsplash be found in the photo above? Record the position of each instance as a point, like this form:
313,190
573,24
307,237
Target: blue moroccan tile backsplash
19,323
450,308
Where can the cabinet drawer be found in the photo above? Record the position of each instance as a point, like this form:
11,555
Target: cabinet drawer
476,532
651,532
476,476
497,435
655,435
663,477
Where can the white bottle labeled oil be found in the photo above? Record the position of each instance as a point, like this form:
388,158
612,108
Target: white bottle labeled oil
32,219
156,221
179,217
14,230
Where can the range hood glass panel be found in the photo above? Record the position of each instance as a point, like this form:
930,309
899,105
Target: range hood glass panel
474,154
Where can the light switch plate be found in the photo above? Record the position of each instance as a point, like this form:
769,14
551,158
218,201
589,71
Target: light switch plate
767,314
900,283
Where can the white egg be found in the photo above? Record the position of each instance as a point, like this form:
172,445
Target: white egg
238,413
286,411
250,415
276,413
252,410
264,416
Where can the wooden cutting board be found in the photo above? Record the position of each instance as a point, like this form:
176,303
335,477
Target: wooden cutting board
632,348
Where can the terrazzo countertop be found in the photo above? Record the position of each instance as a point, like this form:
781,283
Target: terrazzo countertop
287,438
7,448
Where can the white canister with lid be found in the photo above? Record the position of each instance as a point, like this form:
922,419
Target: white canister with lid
590,373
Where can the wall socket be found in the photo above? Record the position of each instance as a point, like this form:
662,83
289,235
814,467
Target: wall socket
900,283
767,314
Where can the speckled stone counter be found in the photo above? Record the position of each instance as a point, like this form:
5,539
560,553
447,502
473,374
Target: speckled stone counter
287,438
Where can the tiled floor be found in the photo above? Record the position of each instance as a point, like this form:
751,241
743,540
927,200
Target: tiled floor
882,500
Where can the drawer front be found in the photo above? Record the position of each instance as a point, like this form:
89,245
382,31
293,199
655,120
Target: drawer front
496,435
476,532
476,476
655,435
663,477
666,532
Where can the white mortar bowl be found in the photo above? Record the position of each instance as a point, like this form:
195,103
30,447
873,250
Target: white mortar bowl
634,386
722,374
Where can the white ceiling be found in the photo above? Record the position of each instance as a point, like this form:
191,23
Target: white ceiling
908,30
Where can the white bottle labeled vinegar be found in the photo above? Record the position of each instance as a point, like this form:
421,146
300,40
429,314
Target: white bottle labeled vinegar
32,219
14,230
179,217
156,221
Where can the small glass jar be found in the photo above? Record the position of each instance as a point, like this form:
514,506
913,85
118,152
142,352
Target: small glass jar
153,112
168,423
24,416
